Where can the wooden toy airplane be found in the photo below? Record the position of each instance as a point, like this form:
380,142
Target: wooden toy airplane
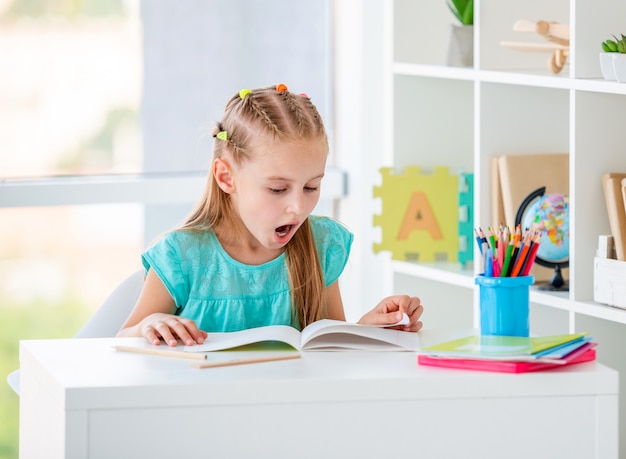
557,34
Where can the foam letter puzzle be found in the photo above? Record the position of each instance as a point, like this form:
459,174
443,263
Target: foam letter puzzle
466,218
420,214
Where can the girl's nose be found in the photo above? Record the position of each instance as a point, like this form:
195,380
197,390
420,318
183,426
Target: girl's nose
296,203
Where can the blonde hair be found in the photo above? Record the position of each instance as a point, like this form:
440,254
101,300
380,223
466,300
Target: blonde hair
281,115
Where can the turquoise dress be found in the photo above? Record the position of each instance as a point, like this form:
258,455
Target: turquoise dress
221,294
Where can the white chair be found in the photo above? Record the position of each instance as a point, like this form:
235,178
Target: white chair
107,320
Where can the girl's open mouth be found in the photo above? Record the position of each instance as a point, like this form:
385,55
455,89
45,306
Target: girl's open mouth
284,230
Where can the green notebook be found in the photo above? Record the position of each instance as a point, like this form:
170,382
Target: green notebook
501,347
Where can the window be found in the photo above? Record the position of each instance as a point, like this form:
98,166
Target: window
105,108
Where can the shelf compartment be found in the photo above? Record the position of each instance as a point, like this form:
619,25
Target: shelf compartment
495,20
433,123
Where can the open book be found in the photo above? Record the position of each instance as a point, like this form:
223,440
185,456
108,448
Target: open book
323,335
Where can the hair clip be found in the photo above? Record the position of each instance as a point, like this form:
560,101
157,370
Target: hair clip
303,94
280,87
244,92
222,135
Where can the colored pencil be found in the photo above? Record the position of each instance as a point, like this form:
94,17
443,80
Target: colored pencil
503,242
507,258
488,271
516,246
161,352
492,238
227,363
521,257
479,241
532,255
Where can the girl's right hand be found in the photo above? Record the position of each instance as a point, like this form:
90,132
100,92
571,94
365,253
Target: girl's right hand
169,327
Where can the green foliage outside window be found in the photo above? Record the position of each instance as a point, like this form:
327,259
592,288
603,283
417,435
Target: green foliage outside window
39,320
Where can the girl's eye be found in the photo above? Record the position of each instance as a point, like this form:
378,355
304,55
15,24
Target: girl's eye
310,188
277,190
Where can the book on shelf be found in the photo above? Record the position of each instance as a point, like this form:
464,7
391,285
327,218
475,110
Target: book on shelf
612,187
520,175
587,353
322,335
546,349
497,206
624,193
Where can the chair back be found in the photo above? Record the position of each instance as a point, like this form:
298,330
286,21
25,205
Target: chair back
114,311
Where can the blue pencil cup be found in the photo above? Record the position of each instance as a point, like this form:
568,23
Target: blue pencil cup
504,305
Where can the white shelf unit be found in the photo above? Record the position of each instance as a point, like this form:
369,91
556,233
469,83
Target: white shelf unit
510,103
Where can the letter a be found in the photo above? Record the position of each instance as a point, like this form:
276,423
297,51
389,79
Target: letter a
419,216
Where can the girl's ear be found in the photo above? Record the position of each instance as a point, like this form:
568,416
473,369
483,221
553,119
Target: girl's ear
223,175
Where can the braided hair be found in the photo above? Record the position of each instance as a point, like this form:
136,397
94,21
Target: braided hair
276,112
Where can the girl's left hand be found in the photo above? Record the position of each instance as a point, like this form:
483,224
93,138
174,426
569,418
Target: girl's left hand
390,310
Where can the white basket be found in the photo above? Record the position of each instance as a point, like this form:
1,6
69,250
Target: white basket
609,282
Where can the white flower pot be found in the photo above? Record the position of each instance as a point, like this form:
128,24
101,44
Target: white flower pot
619,67
606,65
460,50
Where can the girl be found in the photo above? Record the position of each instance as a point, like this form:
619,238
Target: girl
251,254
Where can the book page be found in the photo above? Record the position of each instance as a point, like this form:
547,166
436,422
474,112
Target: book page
229,340
292,337
334,334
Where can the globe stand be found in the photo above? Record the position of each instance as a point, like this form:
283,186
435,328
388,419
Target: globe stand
557,283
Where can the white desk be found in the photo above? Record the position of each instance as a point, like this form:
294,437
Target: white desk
81,399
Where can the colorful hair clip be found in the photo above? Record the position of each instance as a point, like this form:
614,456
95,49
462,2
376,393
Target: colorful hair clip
280,87
244,92
222,135
303,94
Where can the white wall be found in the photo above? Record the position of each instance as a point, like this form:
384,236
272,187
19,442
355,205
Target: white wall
359,133
198,53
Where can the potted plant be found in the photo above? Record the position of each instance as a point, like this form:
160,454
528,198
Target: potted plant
463,10
461,36
613,59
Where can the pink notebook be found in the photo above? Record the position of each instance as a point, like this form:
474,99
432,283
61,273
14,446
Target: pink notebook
503,366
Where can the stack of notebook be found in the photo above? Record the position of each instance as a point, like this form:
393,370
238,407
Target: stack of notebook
510,354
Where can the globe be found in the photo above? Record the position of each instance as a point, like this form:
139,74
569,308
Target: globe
550,215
